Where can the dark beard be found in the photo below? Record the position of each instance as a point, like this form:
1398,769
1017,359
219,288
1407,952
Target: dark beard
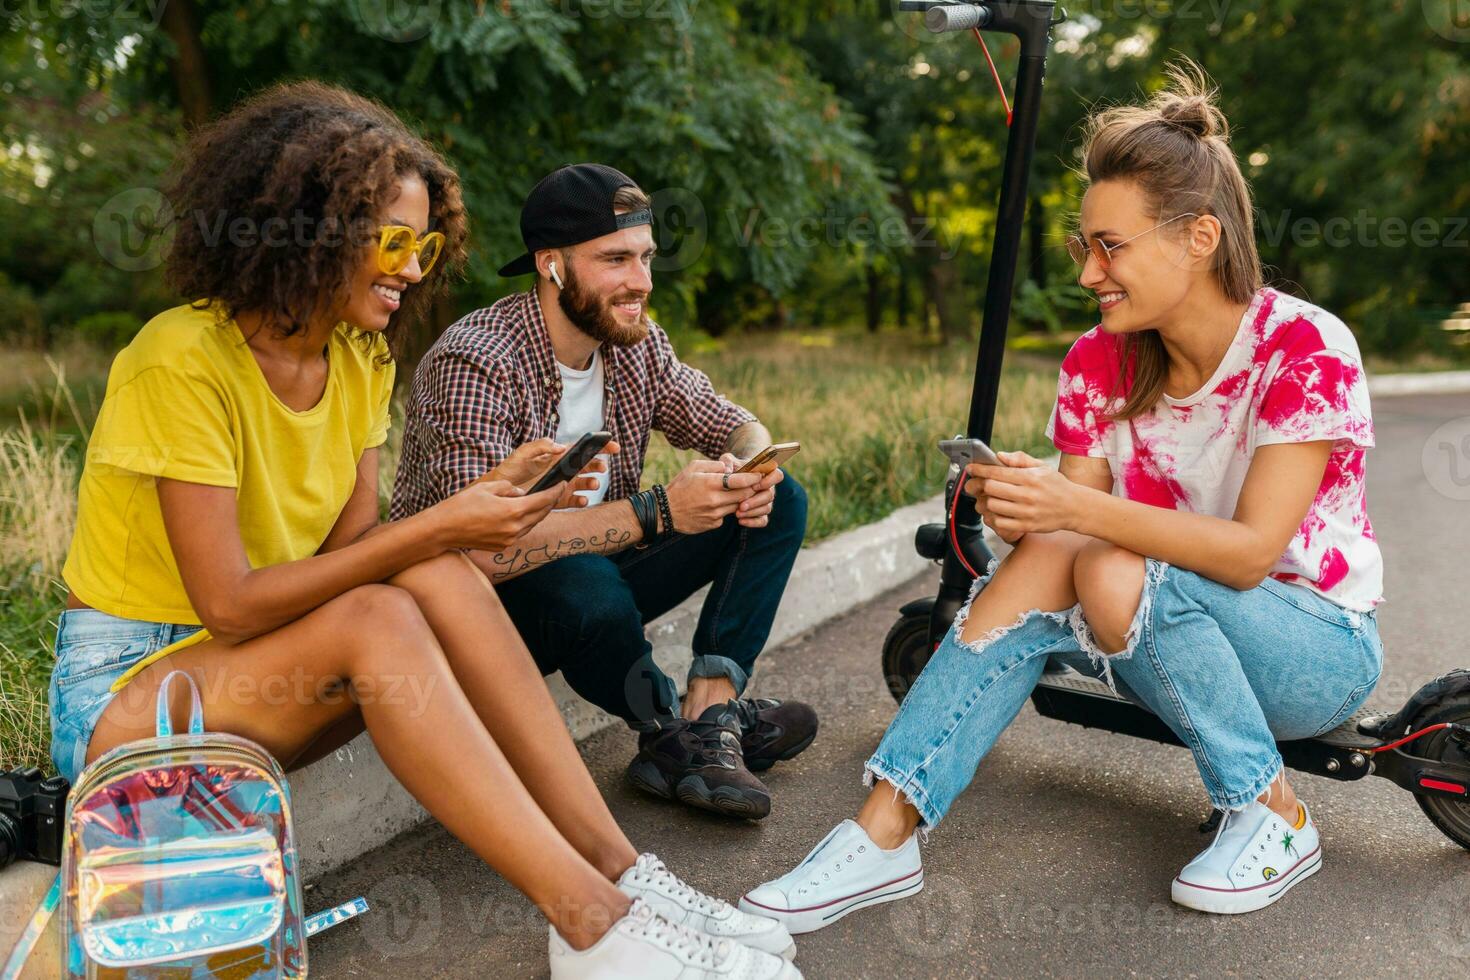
597,319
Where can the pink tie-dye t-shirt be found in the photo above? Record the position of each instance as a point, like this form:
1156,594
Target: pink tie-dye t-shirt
1292,374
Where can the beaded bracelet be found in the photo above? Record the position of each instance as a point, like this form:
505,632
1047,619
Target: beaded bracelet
663,508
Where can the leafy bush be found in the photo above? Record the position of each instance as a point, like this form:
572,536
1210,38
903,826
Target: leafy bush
109,330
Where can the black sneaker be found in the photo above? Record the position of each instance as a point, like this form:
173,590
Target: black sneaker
773,731
699,763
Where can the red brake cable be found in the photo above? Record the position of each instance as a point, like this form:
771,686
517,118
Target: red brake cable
954,538
993,73
1414,735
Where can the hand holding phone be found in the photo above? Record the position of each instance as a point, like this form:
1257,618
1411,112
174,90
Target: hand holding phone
963,452
770,458
573,462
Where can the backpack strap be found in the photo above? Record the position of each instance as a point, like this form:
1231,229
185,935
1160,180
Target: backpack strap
196,708
32,933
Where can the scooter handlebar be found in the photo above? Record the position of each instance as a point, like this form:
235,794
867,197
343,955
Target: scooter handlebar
947,17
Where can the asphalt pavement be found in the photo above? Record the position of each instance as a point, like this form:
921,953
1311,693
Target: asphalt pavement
1057,860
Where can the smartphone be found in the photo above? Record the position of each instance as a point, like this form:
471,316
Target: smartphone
769,458
573,461
963,452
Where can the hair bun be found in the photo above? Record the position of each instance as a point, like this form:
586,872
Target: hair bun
1188,103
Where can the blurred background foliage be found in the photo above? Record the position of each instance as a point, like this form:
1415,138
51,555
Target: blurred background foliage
817,163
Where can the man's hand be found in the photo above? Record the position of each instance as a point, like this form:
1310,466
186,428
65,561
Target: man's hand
698,498
527,462
756,510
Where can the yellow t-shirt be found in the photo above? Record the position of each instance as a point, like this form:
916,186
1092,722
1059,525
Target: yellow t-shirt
186,400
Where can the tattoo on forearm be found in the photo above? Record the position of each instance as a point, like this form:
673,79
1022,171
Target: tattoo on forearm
746,441
516,561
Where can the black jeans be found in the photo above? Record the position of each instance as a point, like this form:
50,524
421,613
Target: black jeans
584,614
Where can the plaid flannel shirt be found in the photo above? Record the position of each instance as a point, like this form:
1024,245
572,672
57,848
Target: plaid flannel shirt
490,383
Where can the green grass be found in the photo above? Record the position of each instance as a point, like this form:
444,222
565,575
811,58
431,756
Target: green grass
868,412
867,409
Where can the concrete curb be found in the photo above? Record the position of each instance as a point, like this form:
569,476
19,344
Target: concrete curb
1432,383
349,803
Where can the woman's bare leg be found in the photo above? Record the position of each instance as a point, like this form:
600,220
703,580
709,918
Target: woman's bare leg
501,680
342,731
286,688
1037,574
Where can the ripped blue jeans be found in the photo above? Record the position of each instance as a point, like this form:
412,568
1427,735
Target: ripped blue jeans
1229,672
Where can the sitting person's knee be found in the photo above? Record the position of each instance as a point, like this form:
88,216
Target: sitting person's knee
1059,547
789,509
448,568
381,619
1109,584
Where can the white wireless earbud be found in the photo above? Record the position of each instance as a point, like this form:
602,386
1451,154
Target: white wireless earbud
551,267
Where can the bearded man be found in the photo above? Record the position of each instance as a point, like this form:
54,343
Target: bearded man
575,354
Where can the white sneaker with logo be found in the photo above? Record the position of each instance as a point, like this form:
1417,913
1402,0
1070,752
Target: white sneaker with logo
1255,858
676,901
842,874
643,945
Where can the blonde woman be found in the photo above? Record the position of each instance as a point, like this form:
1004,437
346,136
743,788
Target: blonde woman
1205,545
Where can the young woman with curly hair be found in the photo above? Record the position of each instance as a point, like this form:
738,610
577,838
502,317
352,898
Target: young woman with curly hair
1205,545
228,528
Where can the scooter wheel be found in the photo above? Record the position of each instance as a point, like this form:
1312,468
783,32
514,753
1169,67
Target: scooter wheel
905,652
1451,816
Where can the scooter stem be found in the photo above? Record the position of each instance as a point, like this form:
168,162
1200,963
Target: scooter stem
1030,21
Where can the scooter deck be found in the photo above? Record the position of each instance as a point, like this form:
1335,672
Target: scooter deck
1069,696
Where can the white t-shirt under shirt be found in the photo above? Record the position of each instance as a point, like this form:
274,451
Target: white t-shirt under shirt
580,412
1292,374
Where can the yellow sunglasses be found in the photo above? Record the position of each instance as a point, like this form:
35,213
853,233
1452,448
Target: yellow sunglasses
397,244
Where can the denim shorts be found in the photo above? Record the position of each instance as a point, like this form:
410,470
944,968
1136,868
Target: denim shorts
94,649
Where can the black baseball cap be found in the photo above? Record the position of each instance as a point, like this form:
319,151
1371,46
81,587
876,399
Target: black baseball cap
570,205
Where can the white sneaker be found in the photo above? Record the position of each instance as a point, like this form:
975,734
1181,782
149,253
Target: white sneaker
643,945
1255,857
842,874
676,901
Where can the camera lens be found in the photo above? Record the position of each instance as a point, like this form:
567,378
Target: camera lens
9,840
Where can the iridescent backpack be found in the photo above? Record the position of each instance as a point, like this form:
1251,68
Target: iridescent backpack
179,860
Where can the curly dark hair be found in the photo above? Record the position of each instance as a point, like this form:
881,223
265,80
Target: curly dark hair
273,199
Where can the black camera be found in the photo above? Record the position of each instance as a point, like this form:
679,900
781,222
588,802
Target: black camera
32,816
